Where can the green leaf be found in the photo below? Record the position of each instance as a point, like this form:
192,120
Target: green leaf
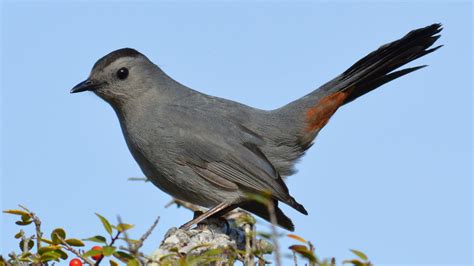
360,254
58,232
133,262
298,238
20,234
74,242
48,256
26,218
264,247
97,239
26,255
124,227
46,249
167,256
246,219
23,223
47,241
203,245
29,245
264,235
174,249
122,256
105,223
213,252
354,262
107,251
304,251
113,263
28,259
16,212
92,252
206,257
61,254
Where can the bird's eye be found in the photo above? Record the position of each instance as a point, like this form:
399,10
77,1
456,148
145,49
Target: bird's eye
122,73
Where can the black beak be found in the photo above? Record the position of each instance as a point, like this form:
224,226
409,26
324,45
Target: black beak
87,85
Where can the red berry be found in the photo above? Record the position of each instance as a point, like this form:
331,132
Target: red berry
97,257
75,262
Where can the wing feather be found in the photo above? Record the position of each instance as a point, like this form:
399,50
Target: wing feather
224,152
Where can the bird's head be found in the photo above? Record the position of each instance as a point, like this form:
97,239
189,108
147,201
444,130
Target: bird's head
119,76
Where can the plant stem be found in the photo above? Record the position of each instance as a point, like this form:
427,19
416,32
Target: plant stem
37,222
74,251
271,210
112,242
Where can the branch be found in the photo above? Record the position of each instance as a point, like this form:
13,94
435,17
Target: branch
37,222
112,242
187,205
248,248
142,239
71,249
271,210
133,248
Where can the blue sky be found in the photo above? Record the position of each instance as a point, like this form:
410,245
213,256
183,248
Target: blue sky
391,174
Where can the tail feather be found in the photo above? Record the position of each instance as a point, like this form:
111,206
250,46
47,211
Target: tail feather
301,120
374,69
379,82
367,74
404,50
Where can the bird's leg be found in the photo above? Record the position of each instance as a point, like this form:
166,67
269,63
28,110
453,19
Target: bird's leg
207,214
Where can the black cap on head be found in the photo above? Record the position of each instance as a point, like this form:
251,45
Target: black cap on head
111,57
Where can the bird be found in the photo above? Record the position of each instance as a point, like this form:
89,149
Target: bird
214,152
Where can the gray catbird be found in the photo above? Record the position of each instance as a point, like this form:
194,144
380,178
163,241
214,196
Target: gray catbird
214,152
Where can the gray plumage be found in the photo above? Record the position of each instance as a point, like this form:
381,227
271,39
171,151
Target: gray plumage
208,150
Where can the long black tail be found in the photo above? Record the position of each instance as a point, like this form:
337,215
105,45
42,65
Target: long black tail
376,68
314,110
